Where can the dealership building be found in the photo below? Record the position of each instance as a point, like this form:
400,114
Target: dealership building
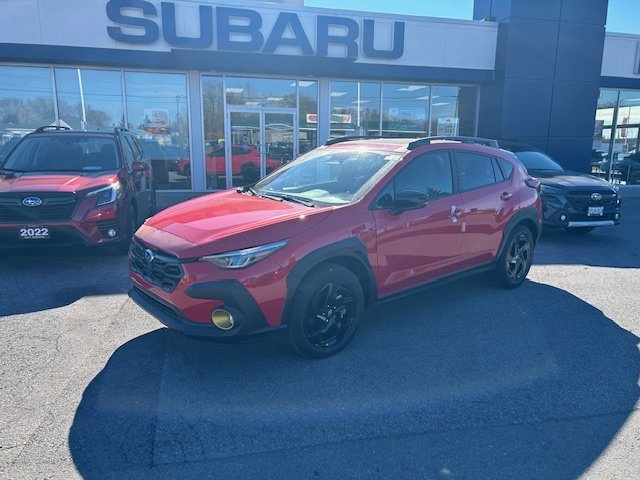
222,92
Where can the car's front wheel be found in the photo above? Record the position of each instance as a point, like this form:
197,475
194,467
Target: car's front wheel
326,311
516,258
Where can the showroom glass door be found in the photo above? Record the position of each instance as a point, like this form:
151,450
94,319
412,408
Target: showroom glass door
258,142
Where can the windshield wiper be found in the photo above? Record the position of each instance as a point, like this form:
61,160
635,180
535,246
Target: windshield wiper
11,170
303,201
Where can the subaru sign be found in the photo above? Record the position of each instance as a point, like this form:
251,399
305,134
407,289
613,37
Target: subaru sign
242,30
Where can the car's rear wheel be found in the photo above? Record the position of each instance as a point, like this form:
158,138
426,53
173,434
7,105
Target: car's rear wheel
580,230
516,258
326,311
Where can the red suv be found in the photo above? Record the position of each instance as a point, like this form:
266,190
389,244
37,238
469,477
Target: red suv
352,222
61,187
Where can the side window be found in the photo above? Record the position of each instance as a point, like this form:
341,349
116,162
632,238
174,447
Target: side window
429,173
507,167
500,177
474,170
128,152
135,150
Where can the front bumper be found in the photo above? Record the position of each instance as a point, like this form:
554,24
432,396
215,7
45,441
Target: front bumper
561,212
228,294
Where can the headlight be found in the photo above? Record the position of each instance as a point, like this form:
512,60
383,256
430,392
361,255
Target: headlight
106,194
548,190
244,258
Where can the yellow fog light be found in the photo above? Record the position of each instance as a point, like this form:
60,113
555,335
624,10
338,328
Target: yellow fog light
222,319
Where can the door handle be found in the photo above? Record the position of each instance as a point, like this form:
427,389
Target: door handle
506,195
455,213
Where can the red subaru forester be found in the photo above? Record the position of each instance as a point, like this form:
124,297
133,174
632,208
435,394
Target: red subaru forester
355,221
65,187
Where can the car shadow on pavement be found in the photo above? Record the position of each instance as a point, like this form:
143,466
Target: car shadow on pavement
464,381
39,279
604,247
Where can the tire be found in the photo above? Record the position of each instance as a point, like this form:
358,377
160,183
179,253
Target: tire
515,260
326,311
580,230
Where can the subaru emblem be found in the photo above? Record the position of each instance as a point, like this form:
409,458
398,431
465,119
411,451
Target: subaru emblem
148,256
596,197
32,202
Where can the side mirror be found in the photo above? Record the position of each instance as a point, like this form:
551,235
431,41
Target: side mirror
410,199
139,167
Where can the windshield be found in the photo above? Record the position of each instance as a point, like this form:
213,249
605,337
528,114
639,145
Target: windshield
63,153
533,160
330,176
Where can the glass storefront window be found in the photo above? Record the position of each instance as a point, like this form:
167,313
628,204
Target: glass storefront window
616,144
355,108
26,101
89,99
405,110
261,92
213,110
307,115
453,110
158,114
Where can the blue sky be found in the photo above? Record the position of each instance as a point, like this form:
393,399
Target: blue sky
623,17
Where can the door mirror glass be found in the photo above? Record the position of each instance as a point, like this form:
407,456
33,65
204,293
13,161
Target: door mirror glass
409,199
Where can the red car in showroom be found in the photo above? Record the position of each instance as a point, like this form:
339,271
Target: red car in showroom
245,163
355,221
63,187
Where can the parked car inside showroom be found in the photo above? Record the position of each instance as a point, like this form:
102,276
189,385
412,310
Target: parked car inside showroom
575,201
350,223
64,187
245,163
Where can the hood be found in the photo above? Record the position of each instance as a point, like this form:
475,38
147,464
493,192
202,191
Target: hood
569,179
53,182
227,221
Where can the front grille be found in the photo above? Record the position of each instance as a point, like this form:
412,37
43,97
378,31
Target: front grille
163,270
581,200
55,207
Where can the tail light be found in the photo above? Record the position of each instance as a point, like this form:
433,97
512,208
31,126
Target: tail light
533,183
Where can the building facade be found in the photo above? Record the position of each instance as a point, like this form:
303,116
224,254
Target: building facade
221,93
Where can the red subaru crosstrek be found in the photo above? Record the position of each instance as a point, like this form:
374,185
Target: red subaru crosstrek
308,247
62,187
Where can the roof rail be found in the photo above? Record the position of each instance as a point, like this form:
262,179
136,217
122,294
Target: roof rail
333,141
50,127
488,142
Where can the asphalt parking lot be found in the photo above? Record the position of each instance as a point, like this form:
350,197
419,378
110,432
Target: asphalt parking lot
463,381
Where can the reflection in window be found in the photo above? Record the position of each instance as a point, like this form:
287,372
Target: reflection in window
261,92
406,109
26,100
616,143
474,170
213,110
355,108
158,115
308,115
453,110
429,174
89,99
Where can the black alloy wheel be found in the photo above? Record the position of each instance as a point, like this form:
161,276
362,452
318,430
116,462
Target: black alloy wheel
516,258
326,311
